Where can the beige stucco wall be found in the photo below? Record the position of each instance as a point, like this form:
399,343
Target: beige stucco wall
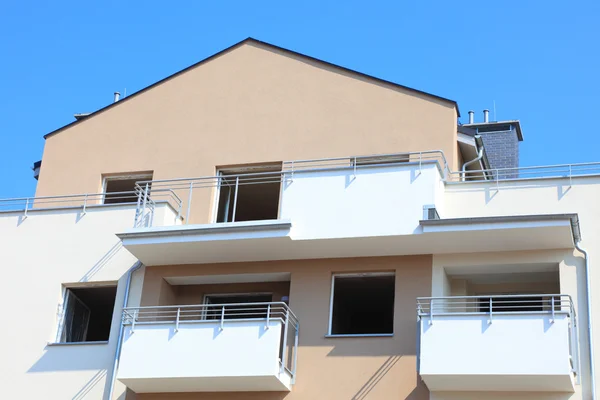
194,294
252,104
333,368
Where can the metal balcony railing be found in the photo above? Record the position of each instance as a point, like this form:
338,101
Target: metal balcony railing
224,314
185,187
526,173
430,308
83,201
178,192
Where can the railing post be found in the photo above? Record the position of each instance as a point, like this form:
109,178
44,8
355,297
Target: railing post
26,207
152,209
420,161
552,307
177,320
491,305
84,203
570,176
222,317
430,311
284,345
174,196
497,179
135,313
295,353
189,205
144,204
138,211
354,176
268,315
235,196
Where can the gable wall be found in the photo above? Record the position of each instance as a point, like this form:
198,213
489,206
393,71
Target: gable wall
249,105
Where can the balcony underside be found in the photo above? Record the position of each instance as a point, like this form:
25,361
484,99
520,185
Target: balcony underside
499,383
207,384
279,240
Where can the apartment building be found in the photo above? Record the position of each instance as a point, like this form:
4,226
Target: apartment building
266,225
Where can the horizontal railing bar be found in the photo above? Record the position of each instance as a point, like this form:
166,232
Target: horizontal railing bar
496,304
441,153
226,320
495,296
274,306
497,312
206,305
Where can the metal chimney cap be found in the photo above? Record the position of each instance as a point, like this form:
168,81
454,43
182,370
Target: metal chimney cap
471,116
117,96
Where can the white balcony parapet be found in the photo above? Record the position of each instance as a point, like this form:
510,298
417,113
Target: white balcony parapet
209,347
498,343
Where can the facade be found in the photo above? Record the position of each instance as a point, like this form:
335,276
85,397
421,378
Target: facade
265,225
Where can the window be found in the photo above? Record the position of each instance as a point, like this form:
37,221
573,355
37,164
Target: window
87,314
237,311
251,194
120,189
362,304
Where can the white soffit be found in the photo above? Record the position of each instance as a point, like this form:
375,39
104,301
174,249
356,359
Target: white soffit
232,278
198,245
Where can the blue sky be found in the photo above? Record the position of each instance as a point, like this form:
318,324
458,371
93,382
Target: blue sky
538,60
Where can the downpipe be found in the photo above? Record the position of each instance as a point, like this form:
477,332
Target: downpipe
473,161
589,316
113,376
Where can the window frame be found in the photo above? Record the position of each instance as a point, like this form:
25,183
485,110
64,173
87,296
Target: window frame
141,176
67,294
62,308
331,298
241,170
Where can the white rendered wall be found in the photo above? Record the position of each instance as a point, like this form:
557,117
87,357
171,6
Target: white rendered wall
472,352
198,350
39,254
377,201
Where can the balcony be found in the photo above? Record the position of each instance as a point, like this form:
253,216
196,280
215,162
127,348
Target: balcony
209,348
288,211
499,343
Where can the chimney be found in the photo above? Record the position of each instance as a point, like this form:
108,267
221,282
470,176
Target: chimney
117,96
471,117
486,116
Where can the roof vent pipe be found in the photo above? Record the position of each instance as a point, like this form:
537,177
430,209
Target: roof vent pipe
117,96
486,116
471,117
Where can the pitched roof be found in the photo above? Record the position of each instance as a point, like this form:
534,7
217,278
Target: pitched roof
268,45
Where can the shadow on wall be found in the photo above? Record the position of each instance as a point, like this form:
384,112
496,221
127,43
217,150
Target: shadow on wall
377,376
99,376
102,262
72,358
